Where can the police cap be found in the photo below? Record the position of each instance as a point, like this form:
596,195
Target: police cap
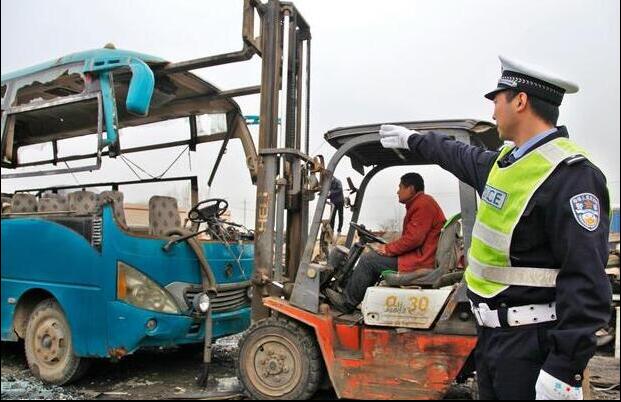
533,80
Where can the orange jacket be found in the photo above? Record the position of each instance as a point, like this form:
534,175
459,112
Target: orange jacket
416,248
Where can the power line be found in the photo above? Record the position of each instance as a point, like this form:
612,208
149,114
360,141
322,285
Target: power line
130,168
71,171
173,162
324,142
137,166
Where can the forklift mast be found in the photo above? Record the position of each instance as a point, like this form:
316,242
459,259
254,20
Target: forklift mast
285,177
282,199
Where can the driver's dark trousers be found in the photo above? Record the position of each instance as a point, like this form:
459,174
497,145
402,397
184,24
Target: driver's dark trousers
367,273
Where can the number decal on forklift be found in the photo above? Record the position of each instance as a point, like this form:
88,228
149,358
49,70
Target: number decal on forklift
417,304
391,301
424,303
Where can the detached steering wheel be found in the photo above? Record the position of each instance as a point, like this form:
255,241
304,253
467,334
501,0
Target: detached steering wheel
207,210
365,234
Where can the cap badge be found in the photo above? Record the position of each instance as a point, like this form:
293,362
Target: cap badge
508,82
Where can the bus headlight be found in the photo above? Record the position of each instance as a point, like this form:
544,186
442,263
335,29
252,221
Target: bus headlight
135,288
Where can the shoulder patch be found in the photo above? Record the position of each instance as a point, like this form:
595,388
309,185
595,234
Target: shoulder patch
574,159
585,207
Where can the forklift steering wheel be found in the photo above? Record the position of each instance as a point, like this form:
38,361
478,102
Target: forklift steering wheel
366,234
215,208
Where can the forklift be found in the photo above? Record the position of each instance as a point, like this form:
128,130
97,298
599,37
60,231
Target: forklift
414,334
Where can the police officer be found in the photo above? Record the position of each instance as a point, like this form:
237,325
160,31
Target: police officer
535,275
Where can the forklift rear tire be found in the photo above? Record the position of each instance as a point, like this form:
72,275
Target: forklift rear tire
49,346
279,359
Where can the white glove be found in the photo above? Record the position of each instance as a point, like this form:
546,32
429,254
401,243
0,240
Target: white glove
395,136
551,388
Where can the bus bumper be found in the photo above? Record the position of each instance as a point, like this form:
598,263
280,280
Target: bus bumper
131,328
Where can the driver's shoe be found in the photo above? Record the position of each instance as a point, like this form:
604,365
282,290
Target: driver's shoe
338,301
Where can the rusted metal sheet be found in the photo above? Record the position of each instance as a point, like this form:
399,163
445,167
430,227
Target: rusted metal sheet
410,365
348,336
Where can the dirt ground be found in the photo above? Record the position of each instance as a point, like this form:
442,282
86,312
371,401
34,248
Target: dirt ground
151,374
171,374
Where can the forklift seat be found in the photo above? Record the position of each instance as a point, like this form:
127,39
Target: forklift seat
446,260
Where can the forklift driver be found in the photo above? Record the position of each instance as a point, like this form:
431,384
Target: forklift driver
414,250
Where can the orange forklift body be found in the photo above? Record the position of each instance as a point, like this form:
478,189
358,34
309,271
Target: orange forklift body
383,363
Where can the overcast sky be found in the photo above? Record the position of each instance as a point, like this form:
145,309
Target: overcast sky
372,62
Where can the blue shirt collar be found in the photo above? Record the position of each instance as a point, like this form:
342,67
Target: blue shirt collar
519,152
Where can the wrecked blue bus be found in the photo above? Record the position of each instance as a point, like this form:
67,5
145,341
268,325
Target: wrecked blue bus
78,281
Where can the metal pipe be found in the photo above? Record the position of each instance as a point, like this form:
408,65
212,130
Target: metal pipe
280,222
231,93
284,141
242,55
244,91
194,190
299,55
287,151
106,184
193,132
298,206
290,100
230,126
308,63
199,140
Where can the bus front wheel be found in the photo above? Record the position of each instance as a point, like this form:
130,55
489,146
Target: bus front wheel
49,347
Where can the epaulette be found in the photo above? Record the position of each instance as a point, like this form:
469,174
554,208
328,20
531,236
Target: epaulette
572,160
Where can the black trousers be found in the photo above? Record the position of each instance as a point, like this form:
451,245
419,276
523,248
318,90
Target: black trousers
338,207
367,273
508,361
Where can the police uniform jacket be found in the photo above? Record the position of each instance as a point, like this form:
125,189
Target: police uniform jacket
548,236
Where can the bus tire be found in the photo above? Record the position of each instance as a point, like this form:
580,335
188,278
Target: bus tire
279,359
49,346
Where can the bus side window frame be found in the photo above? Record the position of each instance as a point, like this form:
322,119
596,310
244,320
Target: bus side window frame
7,127
8,133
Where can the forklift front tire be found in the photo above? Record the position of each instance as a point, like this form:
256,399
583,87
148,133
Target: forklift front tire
279,359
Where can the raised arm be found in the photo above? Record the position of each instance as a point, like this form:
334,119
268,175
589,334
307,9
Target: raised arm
470,164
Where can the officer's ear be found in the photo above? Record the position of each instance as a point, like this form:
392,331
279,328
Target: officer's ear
521,101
